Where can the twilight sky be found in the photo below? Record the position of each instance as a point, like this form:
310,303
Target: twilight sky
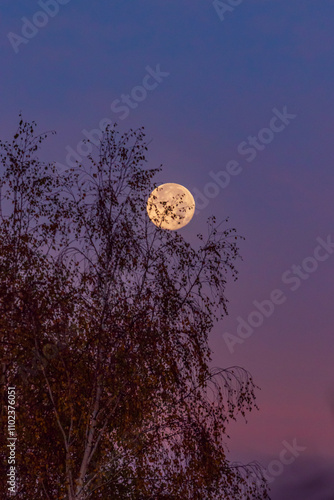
238,102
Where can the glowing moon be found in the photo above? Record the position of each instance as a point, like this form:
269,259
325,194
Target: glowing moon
170,206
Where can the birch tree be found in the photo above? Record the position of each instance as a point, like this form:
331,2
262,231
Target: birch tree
104,332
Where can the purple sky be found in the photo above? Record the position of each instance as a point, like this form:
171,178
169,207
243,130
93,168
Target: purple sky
221,80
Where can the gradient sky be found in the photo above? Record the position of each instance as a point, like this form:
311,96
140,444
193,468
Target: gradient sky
225,78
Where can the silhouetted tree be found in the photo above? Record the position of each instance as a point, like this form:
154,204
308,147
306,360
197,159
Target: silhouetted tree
104,326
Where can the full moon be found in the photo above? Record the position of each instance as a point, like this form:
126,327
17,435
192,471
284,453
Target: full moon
170,206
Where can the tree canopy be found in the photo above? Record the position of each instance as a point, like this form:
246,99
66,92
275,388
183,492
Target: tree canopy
104,323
